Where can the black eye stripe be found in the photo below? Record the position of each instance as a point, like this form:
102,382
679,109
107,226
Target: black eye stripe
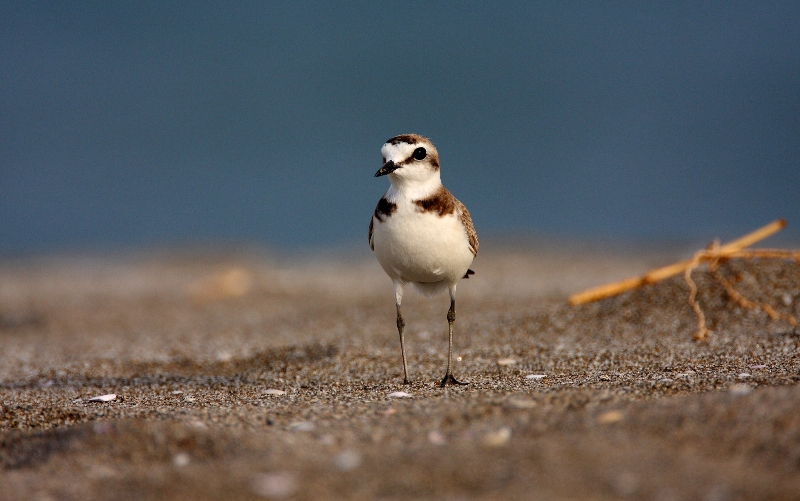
419,153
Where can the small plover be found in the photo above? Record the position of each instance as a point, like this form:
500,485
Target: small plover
420,233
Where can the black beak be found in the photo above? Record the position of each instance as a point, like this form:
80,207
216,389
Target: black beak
387,168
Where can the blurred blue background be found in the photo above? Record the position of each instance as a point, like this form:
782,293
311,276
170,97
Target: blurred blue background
129,124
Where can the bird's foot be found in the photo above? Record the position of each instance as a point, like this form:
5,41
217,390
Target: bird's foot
406,381
449,379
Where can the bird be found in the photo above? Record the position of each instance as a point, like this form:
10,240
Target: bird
421,234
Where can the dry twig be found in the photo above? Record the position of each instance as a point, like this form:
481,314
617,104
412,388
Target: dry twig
712,256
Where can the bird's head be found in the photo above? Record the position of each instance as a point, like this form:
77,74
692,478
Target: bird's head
409,159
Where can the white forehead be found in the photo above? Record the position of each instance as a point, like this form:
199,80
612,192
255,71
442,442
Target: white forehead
398,151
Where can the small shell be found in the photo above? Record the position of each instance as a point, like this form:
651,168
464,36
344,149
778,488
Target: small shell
436,437
497,438
399,394
610,417
274,485
348,460
522,403
103,398
302,426
273,391
535,376
181,459
740,389
506,361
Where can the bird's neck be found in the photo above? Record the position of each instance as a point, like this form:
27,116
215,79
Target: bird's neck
413,189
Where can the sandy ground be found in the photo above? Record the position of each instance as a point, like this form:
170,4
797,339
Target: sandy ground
624,404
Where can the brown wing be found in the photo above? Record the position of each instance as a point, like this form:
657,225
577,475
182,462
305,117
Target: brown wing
371,220
466,220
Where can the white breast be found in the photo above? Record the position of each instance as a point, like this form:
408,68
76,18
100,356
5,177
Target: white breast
414,246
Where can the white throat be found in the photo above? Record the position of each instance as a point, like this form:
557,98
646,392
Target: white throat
413,189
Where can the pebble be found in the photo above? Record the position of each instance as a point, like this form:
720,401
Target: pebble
535,377
497,438
348,460
103,398
399,394
181,459
740,389
787,299
103,428
610,417
759,366
189,399
506,361
744,375
273,391
275,485
436,437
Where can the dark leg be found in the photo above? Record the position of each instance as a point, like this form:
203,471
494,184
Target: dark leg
400,326
451,318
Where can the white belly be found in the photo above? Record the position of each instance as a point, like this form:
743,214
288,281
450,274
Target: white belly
412,246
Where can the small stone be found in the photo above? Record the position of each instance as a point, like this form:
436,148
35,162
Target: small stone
497,438
740,389
103,398
436,437
744,375
347,460
302,426
189,399
759,366
787,299
273,391
504,362
626,484
177,392
536,377
610,417
181,459
275,485
399,394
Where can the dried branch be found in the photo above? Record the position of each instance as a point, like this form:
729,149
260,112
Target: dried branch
653,276
712,256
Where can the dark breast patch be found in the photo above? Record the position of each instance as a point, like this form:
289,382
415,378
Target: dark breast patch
384,209
442,202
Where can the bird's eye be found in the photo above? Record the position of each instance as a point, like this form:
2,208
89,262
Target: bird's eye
419,153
